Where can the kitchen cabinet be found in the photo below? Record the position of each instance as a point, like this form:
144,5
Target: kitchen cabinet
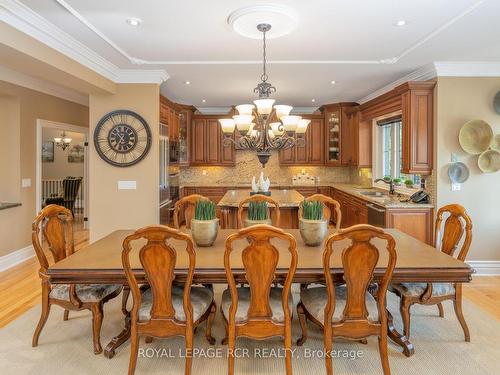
207,146
354,210
312,153
178,119
357,139
417,115
416,222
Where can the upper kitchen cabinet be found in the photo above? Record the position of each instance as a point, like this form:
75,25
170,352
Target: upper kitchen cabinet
357,140
178,119
312,153
415,102
207,143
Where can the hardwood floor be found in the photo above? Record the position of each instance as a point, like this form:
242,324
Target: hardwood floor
20,287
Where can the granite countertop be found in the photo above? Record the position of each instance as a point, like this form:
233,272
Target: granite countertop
285,198
5,205
385,200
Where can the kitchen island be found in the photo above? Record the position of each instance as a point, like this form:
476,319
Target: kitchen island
288,200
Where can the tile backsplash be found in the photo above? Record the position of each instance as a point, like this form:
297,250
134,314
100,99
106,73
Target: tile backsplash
247,166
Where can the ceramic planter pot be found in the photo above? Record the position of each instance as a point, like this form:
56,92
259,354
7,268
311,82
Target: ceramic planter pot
249,223
313,232
204,232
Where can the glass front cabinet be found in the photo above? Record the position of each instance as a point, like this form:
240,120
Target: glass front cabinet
333,134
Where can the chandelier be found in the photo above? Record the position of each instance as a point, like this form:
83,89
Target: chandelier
63,141
263,126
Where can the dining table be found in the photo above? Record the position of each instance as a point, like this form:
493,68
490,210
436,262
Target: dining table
100,263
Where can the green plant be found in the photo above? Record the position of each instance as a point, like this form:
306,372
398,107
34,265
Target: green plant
257,211
387,178
312,210
397,181
409,182
204,210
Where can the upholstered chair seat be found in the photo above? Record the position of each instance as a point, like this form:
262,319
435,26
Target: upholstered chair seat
85,292
315,300
201,300
418,289
244,303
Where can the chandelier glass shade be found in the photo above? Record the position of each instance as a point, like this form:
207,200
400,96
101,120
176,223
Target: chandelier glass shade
263,126
63,141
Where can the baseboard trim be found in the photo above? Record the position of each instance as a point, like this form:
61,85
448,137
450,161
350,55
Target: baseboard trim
485,267
16,257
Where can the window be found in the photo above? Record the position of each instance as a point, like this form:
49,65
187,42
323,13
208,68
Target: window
390,152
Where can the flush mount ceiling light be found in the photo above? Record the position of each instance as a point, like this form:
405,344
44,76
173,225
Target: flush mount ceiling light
400,23
333,82
244,20
187,82
134,21
263,126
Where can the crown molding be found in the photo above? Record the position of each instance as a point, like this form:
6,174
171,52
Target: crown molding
467,68
40,85
24,19
214,110
304,110
423,74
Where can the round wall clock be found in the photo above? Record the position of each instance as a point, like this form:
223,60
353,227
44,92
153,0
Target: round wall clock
122,138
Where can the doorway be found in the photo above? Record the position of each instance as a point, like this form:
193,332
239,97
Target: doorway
62,170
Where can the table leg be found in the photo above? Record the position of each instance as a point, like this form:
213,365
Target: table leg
401,340
118,340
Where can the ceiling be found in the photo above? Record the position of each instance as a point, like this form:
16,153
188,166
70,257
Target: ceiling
354,42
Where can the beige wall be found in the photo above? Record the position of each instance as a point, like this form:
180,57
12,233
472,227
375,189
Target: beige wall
32,106
110,208
460,100
10,174
60,167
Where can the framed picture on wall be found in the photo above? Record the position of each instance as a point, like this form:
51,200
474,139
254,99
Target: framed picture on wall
47,152
76,154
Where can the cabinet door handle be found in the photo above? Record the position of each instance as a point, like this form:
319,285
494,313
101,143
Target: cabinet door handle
371,206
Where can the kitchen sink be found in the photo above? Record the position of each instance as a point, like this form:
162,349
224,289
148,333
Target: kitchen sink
373,193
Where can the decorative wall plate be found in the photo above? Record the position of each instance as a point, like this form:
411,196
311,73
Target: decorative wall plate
489,161
122,138
458,173
475,136
496,102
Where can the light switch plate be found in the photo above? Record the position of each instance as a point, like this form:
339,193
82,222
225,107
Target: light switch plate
455,187
26,182
127,185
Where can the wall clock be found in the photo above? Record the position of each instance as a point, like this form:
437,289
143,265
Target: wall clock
122,138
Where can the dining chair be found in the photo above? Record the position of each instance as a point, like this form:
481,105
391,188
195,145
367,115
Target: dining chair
67,195
453,226
55,224
349,310
165,309
184,207
328,204
259,198
258,311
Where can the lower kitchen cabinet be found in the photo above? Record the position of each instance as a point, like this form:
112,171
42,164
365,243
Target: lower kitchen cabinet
416,222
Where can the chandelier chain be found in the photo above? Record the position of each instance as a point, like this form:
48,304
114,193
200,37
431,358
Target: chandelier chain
264,75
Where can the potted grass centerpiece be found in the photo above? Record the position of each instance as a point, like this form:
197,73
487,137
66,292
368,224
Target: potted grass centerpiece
313,227
258,213
204,225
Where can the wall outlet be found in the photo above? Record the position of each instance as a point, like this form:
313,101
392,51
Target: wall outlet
456,187
127,185
454,157
26,182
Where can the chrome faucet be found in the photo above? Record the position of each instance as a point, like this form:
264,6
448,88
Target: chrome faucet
389,182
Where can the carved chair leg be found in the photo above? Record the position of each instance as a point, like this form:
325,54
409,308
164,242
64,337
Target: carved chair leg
441,310
327,340
134,349
189,351
66,315
382,347
97,315
303,324
230,347
457,304
288,349
404,308
43,315
148,339
126,293
210,320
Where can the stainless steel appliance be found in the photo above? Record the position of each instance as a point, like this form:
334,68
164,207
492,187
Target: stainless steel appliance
376,215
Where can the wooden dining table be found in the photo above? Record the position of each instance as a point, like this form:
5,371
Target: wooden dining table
100,263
